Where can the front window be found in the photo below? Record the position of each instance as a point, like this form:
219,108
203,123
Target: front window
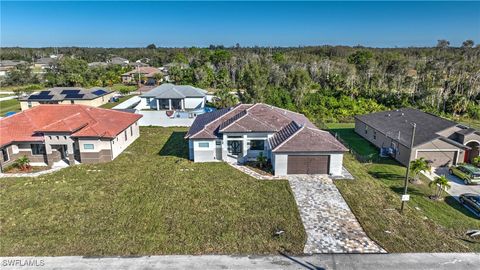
163,104
88,146
374,135
5,154
38,149
204,145
29,104
257,145
125,135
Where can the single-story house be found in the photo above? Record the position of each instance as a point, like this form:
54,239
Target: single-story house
6,65
67,95
118,61
170,97
146,74
47,62
47,134
289,140
440,141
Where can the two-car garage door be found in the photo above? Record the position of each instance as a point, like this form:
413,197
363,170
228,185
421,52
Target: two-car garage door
308,164
439,158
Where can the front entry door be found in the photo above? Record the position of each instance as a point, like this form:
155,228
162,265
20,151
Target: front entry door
235,148
63,151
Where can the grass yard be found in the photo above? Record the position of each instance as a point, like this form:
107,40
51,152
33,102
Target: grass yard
12,105
110,105
374,197
149,200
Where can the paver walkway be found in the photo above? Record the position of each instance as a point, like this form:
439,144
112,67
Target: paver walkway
329,223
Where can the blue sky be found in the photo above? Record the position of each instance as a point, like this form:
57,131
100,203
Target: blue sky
185,24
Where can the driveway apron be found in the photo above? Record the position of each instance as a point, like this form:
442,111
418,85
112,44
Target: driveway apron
329,223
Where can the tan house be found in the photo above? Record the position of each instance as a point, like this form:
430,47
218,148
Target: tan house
94,97
146,74
71,134
440,141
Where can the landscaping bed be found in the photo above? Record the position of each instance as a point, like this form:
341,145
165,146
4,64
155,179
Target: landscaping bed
30,169
150,200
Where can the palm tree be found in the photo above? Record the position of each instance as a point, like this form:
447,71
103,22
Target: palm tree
441,183
476,161
262,160
23,163
224,99
418,165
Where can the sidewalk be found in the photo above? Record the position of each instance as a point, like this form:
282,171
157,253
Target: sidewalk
413,261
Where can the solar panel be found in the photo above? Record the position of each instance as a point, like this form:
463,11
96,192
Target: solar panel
99,92
44,97
68,92
44,93
76,95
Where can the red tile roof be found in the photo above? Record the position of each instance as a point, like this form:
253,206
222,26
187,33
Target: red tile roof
77,120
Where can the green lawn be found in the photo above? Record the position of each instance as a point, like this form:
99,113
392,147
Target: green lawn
12,105
374,197
149,200
110,105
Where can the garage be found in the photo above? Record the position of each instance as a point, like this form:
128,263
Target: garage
308,164
439,158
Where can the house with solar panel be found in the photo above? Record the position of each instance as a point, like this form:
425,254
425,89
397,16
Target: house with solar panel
94,97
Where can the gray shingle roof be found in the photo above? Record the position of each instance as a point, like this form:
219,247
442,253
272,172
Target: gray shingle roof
397,124
59,94
168,90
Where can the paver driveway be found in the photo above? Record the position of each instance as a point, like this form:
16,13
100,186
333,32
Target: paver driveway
330,225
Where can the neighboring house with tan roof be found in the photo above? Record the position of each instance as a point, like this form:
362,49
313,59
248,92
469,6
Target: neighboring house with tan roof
144,73
95,97
289,140
47,134
440,141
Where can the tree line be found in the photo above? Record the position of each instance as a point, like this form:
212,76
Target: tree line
325,82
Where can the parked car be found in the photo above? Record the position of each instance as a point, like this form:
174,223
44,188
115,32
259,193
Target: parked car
467,172
472,201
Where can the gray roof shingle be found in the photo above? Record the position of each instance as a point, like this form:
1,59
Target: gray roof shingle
171,91
58,94
397,124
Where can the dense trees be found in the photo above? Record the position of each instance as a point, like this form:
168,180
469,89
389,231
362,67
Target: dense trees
325,82
75,72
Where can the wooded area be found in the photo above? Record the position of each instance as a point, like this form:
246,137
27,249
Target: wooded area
330,83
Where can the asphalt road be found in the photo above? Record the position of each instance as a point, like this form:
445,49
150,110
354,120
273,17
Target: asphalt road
414,261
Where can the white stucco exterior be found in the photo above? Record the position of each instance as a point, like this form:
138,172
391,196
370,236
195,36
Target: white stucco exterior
191,103
124,139
217,150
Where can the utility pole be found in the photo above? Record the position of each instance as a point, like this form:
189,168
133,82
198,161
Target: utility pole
405,191
139,83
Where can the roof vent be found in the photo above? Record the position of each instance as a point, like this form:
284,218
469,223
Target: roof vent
388,115
403,114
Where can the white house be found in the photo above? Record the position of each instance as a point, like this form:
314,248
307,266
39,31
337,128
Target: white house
288,139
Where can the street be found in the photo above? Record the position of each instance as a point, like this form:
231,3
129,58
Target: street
411,261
